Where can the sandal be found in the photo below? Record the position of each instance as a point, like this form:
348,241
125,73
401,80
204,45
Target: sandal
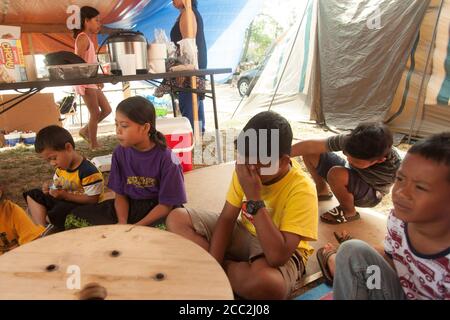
337,216
343,238
84,137
325,197
322,258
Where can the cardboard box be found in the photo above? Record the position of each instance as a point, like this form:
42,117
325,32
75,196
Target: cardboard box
103,163
9,32
12,61
32,114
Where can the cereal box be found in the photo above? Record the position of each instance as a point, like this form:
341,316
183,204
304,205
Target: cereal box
12,62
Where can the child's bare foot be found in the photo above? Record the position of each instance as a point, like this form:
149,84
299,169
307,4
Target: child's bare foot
342,236
84,133
331,262
326,257
95,146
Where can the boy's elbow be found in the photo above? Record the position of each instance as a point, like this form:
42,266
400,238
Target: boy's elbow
276,260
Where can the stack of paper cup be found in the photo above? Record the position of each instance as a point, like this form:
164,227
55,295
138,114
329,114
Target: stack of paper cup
157,55
127,64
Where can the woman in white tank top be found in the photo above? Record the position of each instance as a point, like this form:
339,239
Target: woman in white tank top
92,94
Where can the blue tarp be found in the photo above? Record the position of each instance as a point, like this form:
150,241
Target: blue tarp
225,25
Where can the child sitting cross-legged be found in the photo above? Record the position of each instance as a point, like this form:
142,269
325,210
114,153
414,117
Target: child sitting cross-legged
76,181
271,212
146,176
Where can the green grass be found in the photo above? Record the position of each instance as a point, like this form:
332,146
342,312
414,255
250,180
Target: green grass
23,169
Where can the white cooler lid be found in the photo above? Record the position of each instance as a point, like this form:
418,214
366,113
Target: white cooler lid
178,125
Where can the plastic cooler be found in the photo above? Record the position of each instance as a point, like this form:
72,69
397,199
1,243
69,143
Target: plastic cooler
179,137
12,138
29,138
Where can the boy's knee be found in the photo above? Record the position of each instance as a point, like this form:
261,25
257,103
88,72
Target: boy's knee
352,249
177,218
337,174
269,285
95,114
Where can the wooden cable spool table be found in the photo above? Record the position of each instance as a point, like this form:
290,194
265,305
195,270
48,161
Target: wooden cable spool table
112,262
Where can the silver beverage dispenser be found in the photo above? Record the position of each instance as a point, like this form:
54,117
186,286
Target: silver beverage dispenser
128,42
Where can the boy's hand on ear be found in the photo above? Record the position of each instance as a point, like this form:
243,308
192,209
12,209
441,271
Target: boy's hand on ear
249,180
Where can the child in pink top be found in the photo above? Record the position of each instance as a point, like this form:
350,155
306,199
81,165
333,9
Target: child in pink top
92,94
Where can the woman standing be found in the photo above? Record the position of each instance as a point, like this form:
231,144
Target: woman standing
92,94
180,31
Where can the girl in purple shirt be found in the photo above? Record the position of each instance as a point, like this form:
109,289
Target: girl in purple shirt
145,175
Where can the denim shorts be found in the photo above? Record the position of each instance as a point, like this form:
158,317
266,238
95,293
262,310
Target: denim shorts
363,193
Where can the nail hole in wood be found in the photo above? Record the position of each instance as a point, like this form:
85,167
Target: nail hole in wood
51,267
115,253
159,276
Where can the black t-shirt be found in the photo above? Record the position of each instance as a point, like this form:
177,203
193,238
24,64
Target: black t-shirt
380,176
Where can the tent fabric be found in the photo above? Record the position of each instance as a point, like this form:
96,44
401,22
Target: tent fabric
44,23
38,17
224,25
369,65
423,93
438,90
361,63
285,82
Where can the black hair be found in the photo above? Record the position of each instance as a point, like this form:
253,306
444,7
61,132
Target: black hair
369,141
88,13
436,148
54,138
140,110
272,123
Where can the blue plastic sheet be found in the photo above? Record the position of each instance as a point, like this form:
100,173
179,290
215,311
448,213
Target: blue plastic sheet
225,24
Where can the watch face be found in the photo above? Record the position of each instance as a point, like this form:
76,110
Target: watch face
250,207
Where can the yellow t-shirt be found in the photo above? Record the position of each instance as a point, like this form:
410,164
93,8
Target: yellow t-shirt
86,179
16,227
291,202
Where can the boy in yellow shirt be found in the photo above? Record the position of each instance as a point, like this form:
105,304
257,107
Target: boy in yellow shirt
76,181
16,228
271,212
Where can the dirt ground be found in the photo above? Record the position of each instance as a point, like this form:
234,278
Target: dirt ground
22,169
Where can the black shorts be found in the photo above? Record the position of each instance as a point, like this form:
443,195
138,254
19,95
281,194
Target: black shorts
104,213
57,210
363,193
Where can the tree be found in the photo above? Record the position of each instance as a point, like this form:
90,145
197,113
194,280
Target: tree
259,36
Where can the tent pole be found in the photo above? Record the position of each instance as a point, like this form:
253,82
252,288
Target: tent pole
190,27
289,56
422,82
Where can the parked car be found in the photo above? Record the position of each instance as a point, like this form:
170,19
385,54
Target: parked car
247,80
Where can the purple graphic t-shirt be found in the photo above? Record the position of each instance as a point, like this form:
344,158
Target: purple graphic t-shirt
153,174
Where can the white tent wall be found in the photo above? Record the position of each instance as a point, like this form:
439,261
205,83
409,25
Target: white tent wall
285,83
358,60
422,98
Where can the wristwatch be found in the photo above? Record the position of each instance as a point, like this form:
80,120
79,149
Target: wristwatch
252,207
